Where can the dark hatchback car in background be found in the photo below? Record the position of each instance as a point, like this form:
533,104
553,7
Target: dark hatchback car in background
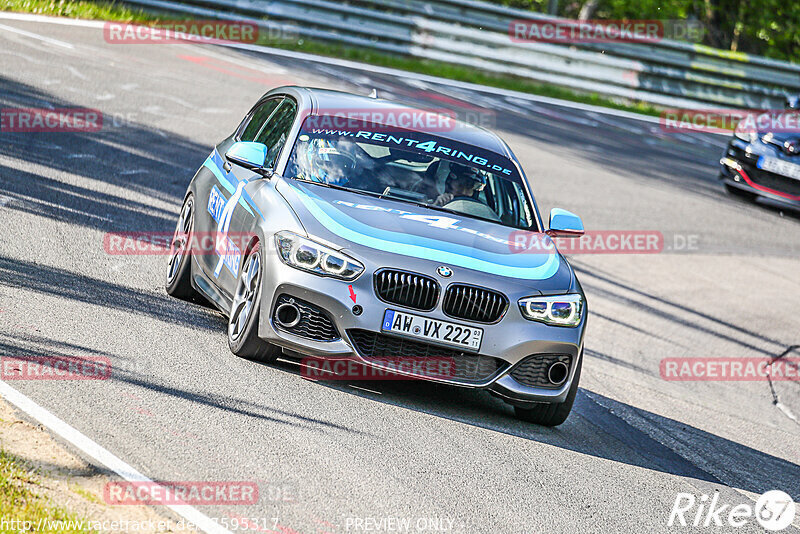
766,163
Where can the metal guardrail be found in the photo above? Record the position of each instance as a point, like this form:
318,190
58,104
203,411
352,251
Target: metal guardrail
475,34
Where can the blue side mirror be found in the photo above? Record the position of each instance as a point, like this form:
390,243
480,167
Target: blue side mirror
247,154
564,224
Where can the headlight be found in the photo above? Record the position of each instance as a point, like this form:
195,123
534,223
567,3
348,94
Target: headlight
302,253
559,310
745,135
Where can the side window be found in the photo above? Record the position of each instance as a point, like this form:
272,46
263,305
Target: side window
276,131
259,119
521,207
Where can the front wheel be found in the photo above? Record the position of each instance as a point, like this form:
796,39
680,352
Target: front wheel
552,414
243,337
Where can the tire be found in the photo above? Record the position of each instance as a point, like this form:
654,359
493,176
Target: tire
552,414
242,329
179,272
739,193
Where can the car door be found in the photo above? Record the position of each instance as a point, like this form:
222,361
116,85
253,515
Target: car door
239,213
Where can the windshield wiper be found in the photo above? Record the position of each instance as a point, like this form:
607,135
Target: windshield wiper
342,188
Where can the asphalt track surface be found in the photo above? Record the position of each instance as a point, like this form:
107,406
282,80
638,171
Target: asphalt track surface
181,407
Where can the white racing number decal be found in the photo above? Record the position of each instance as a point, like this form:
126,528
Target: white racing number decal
222,211
434,221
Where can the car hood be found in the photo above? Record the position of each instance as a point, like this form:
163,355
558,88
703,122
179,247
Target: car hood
383,229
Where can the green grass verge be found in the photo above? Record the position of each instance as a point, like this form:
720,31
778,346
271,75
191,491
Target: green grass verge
22,510
112,10
83,9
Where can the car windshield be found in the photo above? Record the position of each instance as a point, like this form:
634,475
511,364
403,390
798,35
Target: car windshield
413,167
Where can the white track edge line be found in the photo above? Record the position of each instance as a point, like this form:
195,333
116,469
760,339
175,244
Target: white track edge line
101,455
32,35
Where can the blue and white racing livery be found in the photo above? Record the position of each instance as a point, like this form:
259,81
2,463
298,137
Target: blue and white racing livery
379,244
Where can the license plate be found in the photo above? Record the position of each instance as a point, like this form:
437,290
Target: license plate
778,166
465,337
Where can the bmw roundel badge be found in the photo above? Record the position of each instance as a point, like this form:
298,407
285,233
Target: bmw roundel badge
447,272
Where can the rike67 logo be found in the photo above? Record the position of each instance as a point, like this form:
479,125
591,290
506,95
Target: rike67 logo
774,511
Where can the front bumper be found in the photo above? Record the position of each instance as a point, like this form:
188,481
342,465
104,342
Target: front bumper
738,169
509,341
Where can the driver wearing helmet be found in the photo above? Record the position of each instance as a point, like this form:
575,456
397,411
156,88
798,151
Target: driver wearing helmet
323,161
462,184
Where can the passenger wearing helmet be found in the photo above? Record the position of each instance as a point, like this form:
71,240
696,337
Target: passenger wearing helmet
322,161
462,184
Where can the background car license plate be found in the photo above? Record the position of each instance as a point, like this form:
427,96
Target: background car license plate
466,337
778,166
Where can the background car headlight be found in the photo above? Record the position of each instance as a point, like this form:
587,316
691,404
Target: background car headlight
303,253
746,135
559,310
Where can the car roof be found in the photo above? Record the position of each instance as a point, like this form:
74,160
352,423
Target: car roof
316,100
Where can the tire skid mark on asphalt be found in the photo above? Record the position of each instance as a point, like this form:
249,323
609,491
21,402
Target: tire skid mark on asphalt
615,294
24,99
609,421
6,200
618,361
755,472
596,291
65,284
237,406
628,325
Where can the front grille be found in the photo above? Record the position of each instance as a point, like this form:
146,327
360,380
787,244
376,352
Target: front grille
773,181
474,303
407,289
532,371
463,367
314,323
